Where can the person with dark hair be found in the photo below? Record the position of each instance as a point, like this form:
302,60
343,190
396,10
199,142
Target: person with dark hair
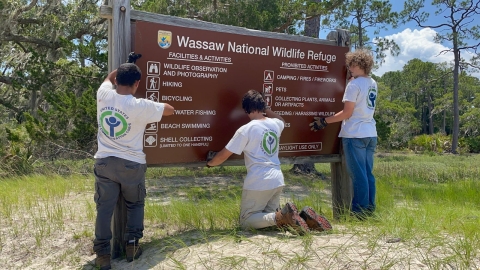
120,163
259,141
358,131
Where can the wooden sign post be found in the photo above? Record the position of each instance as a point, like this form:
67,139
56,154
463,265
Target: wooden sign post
119,46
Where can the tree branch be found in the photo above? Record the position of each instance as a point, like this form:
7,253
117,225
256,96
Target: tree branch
21,46
284,26
29,21
470,47
6,80
17,38
469,65
71,150
417,20
78,76
9,106
86,30
24,9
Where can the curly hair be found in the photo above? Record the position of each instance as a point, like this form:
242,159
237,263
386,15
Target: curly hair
362,58
253,101
128,74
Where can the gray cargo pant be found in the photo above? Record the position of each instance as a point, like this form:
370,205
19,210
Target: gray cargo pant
257,209
113,175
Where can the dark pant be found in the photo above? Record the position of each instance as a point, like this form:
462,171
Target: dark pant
113,175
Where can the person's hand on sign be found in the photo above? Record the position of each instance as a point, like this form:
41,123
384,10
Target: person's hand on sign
210,156
318,123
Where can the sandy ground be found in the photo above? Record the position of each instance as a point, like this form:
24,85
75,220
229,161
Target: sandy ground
69,244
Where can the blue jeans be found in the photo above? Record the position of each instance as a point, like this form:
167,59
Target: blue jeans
359,158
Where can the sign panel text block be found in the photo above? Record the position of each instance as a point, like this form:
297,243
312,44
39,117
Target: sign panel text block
204,75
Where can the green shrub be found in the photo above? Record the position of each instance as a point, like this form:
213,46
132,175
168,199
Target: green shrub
473,144
436,143
17,155
383,132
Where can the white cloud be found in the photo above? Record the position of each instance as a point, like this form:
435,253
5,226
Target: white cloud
414,44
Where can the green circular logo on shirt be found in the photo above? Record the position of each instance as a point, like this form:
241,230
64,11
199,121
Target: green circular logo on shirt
270,143
113,124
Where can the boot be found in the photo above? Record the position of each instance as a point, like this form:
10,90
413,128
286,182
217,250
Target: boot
315,221
133,251
288,217
103,262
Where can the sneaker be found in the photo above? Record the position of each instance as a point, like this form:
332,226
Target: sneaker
288,217
133,252
103,262
315,221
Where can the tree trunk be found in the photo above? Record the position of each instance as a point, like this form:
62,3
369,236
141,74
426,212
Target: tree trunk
444,120
310,30
312,25
306,169
424,117
456,116
430,116
33,103
444,123
360,32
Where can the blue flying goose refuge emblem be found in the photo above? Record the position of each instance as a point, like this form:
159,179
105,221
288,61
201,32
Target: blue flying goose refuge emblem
164,39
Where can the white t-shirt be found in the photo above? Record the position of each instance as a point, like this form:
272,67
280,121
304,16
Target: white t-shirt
259,142
121,123
363,91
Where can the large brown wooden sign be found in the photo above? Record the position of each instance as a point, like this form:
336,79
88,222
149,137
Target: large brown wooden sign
203,69
205,73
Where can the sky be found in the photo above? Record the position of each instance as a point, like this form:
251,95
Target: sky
416,42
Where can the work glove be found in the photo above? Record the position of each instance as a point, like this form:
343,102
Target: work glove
318,123
132,57
210,156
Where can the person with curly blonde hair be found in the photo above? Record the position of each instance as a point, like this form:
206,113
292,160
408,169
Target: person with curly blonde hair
358,130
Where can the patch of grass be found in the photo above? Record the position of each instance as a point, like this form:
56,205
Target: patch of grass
428,203
203,214
233,262
435,169
83,234
162,172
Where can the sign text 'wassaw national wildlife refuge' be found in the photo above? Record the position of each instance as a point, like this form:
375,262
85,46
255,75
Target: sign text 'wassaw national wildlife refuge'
204,74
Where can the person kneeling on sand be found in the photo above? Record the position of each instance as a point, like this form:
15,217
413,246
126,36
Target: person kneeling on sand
259,141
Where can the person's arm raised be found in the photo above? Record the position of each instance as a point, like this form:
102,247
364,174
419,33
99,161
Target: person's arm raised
271,114
111,77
